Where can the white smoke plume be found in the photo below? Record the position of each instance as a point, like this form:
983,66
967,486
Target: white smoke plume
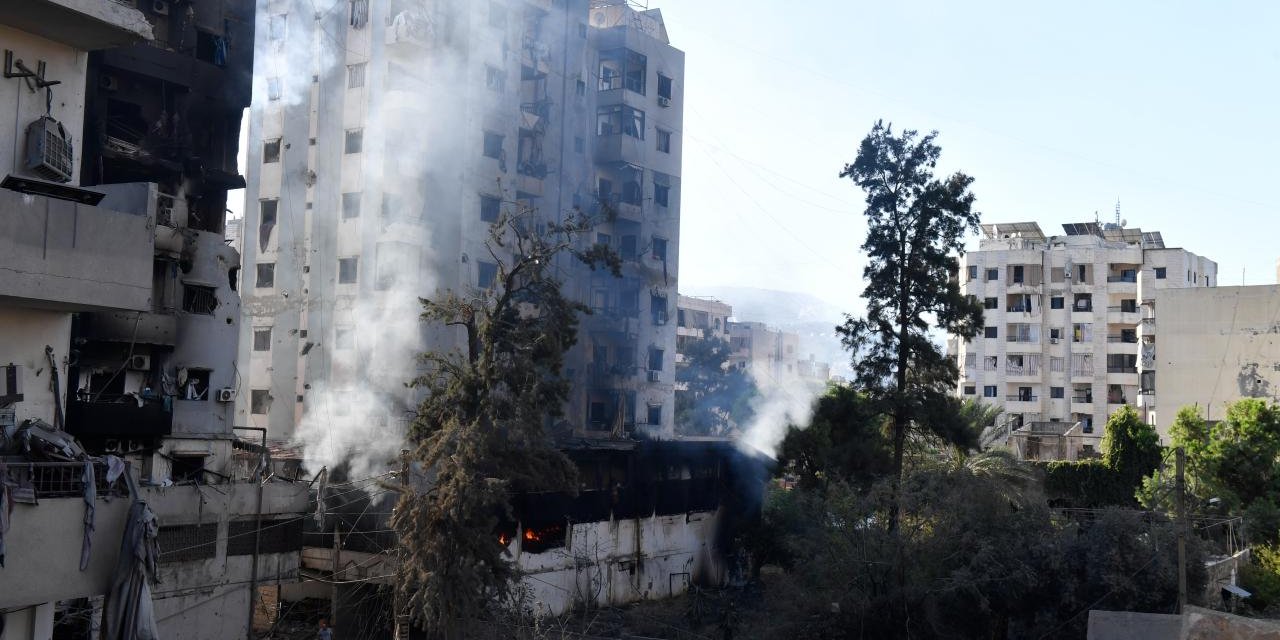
782,403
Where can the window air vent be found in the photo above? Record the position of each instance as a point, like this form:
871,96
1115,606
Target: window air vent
49,150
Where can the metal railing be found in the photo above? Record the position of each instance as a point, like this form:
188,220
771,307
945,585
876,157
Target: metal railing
1082,399
61,479
1020,398
1131,339
1132,278
1121,369
1122,309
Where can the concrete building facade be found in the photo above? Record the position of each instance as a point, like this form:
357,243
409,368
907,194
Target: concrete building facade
375,171
119,317
1066,334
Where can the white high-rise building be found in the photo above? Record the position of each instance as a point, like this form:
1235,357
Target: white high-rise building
386,136
1067,336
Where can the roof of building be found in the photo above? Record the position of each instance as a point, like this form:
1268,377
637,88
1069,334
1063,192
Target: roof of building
1029,230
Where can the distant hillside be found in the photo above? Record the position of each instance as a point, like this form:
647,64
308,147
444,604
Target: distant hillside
812,318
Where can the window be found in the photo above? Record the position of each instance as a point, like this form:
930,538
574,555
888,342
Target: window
494,78
990,332
276,27
1055,333
359,15
970,390
273,88
582,29
492,145
271,151
266,272
262,338
1057,392
578,144
661,189
266,222
199,299
260,402
1057,302
973,272
620,119
655,359
990,303
970,360
196,386
664,90
621,68
487,274
580,88
993,275
989,363
497,15
347,270
655,414
658,309
355,140
1161,272
660,248
664,141
344,338
355,76
627,248
989,391
489,207
350,205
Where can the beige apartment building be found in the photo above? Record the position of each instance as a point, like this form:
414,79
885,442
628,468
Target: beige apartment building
1068,335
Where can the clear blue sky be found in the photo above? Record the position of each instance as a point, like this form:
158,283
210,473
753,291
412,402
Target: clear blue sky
1057,110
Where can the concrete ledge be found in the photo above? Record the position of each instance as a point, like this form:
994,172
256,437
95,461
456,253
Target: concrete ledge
83,24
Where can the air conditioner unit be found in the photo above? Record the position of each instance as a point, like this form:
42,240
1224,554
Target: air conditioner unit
160,7
10,383
49,150
653,376
1055,340
664,101
226,394
140,363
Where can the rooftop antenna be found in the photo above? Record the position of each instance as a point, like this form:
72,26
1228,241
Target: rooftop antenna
1119,222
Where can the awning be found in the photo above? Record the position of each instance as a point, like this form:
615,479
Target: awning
1235,590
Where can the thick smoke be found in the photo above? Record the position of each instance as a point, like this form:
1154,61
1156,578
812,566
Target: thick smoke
782,403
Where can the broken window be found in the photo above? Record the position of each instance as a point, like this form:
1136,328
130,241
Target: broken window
260,402
621,68
664,140
494,78
262,338
620,119
271,151
489,208
188,468
354,141
655,414
492,145
347,270
266,272
266,222
273,88
351,205
659,248
655,359
661,189
486,274
193,384
658,308
355,75
529,153
198,299
664,90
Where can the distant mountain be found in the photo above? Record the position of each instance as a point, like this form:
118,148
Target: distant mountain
811,317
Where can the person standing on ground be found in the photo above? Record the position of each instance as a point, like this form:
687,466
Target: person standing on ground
325,632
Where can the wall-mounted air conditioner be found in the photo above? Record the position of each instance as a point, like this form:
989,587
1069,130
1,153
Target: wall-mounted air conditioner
49,150
226,394
140,363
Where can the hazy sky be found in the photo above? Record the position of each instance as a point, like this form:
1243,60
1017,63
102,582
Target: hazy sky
1057,110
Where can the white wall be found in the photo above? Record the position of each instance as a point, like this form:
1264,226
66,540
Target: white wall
23,336
21,106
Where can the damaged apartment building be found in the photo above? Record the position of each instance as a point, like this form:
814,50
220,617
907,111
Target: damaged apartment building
384,140
1069,328
119,317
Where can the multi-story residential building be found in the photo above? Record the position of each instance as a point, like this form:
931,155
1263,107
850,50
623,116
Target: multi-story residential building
118,318
389,135
700,319
1064,335
769,353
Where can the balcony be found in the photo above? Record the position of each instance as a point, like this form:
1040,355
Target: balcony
1123,338
121,416
82,24
1123,315
1021,398
1147,328
410,31
1121,369
1130,278
124,326
619,147
1116,398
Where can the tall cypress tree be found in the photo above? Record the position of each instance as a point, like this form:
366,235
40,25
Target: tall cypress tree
916,225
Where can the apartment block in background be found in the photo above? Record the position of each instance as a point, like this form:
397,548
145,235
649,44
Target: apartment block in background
119,315
387,136
1067,336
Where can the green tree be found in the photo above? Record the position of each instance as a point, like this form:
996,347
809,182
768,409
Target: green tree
916,226
479,433
715,397
1130,447
844,442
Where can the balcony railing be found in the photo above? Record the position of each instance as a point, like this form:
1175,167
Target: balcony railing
1082,399
1019,308
1131,339
1122,309
1121,369
1116,400
1129,278
60,479
1020,398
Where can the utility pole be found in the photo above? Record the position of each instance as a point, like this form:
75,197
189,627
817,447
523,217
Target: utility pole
1180,488
335,567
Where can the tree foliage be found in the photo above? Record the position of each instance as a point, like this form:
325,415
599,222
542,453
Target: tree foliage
844,442
916,225
715,398
479,433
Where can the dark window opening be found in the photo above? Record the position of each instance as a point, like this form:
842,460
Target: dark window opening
990,332
354,141
271,151
664,141
660,249
489,209
658,309
347,270
487,274
199,299
664,90
266,275
990,303
655,359
661,191
266,222
262,339
655,414
1057,302
1161,273
492,145
212,48
196,384
621,68
350,205
620,119
260,402
186,468
187,542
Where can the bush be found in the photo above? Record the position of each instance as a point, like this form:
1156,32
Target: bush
1087,484
1261,577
